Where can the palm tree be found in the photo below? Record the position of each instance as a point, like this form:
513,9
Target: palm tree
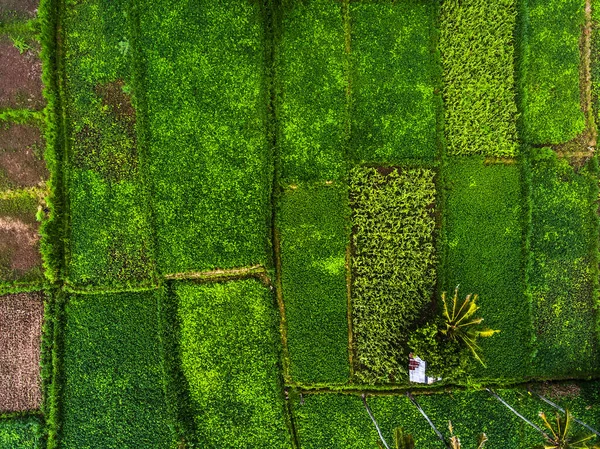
460,324
559,437
455,442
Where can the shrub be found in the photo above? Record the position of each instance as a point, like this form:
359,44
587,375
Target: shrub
393,266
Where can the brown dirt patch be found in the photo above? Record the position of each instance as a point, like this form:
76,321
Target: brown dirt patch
21,317
118,101
20,76
556,391
19,247
21,156
18,9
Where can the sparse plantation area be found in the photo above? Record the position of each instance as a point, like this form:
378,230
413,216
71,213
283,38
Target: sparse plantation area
298,223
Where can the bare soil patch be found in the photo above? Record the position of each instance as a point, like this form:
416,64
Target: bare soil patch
556,391
21,317
21,156
20,76
18,9
19,248
119,102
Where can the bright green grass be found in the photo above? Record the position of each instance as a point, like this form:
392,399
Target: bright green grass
209,159
20,433
393,112
110,238
113,377
314,236
484,241
230,352
550,71
476,45
310,71
564,264
393,266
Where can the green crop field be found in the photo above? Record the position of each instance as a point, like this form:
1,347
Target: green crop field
208,153
549,82
112,373
392,81
230,357
110,241
314,235
296,224
393,265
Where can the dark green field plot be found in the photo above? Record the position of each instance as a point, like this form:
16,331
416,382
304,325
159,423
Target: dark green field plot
393,71
312,81
230,354
484,255
113,376
21,433
333,421
550,70
393,265
314,235
564,274
476,45
209,162
110,238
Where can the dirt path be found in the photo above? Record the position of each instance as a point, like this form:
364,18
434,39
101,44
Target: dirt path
218,274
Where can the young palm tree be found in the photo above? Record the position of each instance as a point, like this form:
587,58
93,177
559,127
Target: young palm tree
461,325
559,437
455,442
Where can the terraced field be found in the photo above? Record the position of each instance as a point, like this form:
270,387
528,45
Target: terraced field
240,224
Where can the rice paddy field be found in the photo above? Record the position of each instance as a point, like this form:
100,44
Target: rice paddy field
241,223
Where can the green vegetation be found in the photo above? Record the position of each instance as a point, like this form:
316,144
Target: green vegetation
484,240
341,421
113,376
393,74
549,78
333,421
393,265
314,237
563,278
230,353
476,44
209,164
312,110
110,238
20,433
450,340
